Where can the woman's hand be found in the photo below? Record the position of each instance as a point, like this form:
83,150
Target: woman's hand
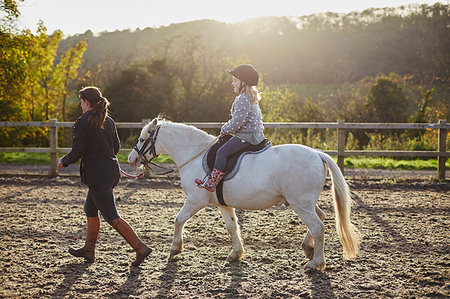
60,163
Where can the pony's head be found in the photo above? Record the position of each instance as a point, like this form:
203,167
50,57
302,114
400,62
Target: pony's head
145,148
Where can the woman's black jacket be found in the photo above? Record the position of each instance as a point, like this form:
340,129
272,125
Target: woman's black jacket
97,149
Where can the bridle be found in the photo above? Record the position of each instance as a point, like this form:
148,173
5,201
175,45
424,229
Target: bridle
145,149
151,140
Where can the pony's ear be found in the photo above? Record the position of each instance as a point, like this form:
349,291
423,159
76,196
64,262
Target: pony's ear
154,123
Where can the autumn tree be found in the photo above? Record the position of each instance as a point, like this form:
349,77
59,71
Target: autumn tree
33,84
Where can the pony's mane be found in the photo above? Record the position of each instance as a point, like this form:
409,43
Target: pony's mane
163,122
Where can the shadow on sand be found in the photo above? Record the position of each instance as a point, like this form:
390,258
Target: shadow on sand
72,272
237,275
321,285
167,278
131,286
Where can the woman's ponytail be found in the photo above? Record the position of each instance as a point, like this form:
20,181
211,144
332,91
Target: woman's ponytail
98,103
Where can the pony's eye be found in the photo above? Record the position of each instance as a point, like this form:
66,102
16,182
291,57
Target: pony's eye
140,139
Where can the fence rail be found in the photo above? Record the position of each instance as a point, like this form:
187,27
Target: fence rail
341,126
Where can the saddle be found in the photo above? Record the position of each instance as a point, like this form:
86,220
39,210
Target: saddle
233,161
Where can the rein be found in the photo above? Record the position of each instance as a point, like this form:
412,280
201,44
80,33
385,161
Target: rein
148,163
201,152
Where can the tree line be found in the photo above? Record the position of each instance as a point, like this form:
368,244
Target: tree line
326,48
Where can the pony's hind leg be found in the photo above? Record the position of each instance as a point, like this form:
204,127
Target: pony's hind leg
190,208
308,241
316,228
232,225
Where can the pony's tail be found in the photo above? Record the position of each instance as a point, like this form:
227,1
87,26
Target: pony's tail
347,232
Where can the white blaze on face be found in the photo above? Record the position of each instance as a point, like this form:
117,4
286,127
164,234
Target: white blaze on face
133,158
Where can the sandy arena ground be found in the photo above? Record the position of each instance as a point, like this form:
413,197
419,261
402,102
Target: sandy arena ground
405,248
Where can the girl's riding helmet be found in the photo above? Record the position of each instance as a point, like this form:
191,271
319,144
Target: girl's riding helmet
246,73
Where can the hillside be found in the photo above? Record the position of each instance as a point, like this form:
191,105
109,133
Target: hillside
325,48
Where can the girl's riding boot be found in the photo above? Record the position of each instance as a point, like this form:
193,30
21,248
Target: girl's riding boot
88,250
211,183
125,230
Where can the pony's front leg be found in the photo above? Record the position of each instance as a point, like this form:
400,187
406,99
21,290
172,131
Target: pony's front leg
231,222
189,209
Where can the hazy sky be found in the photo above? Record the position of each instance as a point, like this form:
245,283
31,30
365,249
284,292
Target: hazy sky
77,16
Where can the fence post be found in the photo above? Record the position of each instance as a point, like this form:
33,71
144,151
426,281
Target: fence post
442,148
341,144
53,132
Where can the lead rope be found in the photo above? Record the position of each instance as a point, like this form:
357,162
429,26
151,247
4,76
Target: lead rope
130,175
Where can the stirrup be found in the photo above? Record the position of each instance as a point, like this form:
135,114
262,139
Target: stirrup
199,183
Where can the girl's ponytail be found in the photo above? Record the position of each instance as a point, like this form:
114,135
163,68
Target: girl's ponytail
98,103
252,93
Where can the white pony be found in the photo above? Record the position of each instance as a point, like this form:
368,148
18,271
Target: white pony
291,174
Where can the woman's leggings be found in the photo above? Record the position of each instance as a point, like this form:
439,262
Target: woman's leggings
101,198
230,147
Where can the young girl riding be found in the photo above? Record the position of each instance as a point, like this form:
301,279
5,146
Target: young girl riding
245,125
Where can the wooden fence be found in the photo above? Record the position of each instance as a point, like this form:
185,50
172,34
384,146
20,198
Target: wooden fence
341,126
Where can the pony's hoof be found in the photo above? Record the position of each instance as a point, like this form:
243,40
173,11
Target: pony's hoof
173,253
234,257
312,265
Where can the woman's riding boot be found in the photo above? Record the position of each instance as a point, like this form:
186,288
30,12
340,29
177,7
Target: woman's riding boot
88,250
125,230
213,179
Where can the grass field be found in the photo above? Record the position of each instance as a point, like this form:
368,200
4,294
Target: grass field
350,162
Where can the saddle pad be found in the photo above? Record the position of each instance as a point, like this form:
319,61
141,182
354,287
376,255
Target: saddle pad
233,161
